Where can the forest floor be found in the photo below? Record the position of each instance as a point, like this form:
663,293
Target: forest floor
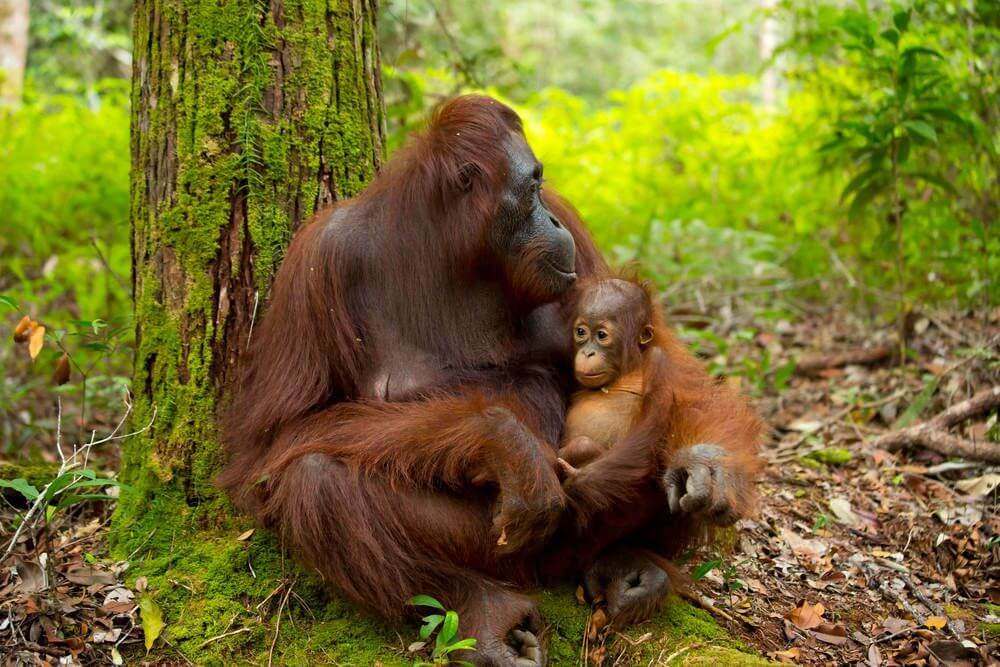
862,553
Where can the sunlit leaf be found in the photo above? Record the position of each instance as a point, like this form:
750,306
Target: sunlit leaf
430,624
23,329
7,301
425,601
703,569
152,620
449,628
35,341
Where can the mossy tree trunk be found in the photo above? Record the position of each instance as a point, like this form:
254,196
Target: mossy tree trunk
247,116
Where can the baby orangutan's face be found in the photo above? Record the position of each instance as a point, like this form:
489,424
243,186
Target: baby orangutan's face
598,352
611,328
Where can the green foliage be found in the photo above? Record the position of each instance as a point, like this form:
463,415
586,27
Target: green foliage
836,456
76,44
714,192
908,122
65,258
585,47
446,642
65,490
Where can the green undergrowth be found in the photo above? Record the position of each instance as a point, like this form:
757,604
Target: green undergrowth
214,589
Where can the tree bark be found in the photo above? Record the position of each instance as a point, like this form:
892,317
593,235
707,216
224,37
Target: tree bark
247,116
13,50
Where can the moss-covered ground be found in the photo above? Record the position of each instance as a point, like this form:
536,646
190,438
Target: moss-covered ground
221,597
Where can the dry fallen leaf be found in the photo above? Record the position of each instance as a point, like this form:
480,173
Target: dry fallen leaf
22,329
61,375
936,622
806,616
245,535
893,624
789,656
841,508
87,575
32,576
598,621
810,549
979,486
831,633
874,656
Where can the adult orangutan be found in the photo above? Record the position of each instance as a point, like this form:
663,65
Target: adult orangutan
406,388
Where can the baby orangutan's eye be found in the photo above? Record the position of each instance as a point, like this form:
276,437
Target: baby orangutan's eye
602,334
580,332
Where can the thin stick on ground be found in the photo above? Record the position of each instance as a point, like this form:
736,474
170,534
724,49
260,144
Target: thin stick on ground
277,625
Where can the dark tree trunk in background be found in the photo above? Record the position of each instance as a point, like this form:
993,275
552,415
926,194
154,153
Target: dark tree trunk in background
246,118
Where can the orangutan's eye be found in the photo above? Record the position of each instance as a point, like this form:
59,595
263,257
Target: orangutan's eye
602,334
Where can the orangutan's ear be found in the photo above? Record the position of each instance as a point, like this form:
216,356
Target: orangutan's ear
646,336
467,175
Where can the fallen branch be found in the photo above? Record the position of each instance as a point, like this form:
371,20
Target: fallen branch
813,364
932,434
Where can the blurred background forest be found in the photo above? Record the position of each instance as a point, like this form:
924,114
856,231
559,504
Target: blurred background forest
798,154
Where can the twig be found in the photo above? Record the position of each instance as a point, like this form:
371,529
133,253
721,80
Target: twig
707,605
223,636
681,651
277,625
68,464
932,434
812,364
107,265
780,452
253,316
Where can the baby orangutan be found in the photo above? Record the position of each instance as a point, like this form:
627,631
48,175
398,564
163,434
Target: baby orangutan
612,331
647,410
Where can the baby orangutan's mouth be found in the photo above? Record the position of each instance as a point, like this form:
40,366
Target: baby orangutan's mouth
592,380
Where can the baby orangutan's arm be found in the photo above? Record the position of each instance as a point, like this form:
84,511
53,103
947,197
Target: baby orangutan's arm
615,476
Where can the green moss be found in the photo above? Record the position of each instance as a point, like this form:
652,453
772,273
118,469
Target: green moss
219,611
992,630
36,474
837,456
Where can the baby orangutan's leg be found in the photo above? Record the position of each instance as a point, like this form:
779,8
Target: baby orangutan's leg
580,451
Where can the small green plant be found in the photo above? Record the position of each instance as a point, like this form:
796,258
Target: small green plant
68,488
730,580
820,522
446,642
888,136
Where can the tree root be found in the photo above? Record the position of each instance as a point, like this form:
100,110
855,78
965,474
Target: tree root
932,434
